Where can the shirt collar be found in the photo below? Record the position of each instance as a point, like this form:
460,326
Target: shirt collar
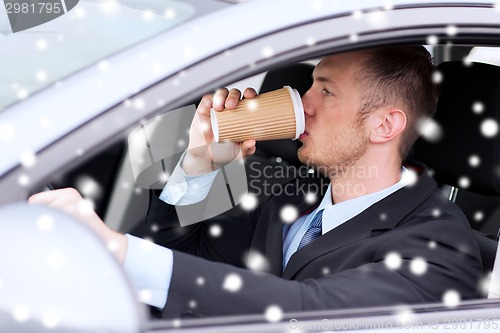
335,215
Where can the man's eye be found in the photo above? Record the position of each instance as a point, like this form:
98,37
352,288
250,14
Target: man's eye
326,92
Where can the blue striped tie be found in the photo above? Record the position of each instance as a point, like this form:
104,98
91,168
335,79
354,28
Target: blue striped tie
314,230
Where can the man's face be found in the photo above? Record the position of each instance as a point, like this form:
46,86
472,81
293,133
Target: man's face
335,138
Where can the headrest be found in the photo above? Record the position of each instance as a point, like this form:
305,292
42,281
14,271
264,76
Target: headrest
466,152
298,76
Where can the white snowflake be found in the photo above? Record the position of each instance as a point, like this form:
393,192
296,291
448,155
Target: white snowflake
192,304
50,319
430,129
311,198
28,159
451,30
267,52
139,103
484,284
215,230
79,12
45,222
289,214
388,5
404,314
103,65
145,295
432,40
377,19
357,14
310,41
21,313
451,298
148,15
393,260
7,131
274,313
108,7
86,206
23,180
200,280
41,76
354,38
256,261
147,244
436,212
410,177
478,107
437,77
325,271
474,161
432,245
112,246
489,128
41,44
169,14
88,186
22,93
464,182
232,283
418,266
478,216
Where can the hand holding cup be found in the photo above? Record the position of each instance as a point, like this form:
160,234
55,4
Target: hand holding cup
203,151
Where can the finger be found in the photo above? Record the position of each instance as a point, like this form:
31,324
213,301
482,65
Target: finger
48,197
248,148
233,98
249,93
205,105
220,99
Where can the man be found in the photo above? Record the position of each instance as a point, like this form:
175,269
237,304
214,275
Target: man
381,235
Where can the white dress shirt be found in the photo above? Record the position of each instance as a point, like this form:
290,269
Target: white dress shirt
149,266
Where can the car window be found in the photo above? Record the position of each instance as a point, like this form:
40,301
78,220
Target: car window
43,55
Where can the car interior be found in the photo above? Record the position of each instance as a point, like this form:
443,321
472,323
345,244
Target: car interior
464,161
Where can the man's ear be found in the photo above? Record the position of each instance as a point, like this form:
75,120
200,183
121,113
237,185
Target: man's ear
386,124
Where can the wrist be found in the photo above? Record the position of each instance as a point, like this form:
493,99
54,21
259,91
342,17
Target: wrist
117,244
194,165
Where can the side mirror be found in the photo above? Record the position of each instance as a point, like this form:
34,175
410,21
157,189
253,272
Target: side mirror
55,273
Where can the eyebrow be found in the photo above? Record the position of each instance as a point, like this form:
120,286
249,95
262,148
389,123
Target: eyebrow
324,79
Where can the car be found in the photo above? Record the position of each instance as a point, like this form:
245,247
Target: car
80,94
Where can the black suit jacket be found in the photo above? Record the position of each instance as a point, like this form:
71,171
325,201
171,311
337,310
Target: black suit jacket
343,268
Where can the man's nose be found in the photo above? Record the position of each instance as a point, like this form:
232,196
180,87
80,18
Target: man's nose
307,103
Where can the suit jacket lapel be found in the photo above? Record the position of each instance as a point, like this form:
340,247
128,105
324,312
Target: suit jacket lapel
274,233
384,215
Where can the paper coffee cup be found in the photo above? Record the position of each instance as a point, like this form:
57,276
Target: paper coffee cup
273,115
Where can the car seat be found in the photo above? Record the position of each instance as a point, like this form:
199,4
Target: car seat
463,150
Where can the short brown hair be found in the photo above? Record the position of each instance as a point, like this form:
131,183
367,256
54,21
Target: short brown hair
400,76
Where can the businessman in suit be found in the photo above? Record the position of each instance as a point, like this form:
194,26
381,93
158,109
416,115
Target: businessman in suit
376,238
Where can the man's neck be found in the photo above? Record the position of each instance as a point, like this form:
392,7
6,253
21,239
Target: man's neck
362,179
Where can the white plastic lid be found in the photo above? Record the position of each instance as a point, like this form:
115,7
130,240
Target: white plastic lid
215,125
300,121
